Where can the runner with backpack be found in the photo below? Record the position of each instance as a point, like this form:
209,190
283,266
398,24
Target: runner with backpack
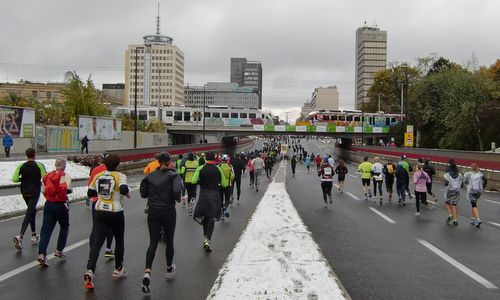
429,169
453,182
341,171
389,172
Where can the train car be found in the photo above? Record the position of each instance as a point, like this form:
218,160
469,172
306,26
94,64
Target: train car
352,118
214,115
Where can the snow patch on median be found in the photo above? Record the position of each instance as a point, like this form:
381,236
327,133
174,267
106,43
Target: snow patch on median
276,257
75,171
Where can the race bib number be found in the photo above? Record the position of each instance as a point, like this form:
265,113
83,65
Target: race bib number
328,171
103,206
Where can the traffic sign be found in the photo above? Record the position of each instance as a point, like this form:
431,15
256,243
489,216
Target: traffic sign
408,139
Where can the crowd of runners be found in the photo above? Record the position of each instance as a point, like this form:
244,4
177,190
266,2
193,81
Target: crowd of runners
205,183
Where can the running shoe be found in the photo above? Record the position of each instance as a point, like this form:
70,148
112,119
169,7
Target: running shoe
326,205
146,280
226,212
417,214
88,280
18,242
35,237
472,221
108,253
478,223
59,254
170,273
120,273
42,259
455,222
449,219
206,245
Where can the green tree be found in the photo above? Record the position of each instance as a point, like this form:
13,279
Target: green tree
82,99
155,125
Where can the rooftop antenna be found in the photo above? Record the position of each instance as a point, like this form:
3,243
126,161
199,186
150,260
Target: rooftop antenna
158,21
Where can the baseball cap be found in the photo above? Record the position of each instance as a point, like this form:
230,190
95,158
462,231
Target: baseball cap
164,157
403,156
225,157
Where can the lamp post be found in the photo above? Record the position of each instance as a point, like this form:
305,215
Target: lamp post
401,82
362,127
379,102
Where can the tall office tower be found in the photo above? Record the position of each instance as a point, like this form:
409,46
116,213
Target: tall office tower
247,74
159,66
371,57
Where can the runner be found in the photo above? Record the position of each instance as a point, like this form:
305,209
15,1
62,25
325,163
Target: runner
152,166
453,182
110,187
421,179
378,178
258,165
189,168
210,178
402,181
268,162
308,164
389,172
341,171
326,174
30,174
404,163
475,183
293,164
239,169
318,163
251,171
56,187
225,192
108,253
163,189
365,168
429,169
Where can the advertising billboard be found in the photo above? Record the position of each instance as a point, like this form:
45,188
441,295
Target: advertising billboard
18,121
99,128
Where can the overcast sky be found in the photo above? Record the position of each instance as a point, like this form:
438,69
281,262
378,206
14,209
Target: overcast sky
301,44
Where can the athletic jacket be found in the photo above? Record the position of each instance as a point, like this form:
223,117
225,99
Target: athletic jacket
162,188
30,174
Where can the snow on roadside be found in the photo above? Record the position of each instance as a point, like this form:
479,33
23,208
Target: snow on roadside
15,203
276,257
75,171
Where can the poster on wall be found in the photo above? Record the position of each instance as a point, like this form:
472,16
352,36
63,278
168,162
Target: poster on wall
18,121
98,128
62,139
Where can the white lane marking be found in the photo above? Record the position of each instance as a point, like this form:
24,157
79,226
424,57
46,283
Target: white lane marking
492,201
276,254
353,176
21,269
458,265
495,224
383,216
353,196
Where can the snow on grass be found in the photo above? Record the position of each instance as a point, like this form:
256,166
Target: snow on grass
15,203
276,257
75,171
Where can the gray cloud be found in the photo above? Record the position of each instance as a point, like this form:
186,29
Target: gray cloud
301,44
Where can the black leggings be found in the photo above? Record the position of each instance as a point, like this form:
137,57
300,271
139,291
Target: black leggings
225,194
208,227
326,186
375,184
237,182
157,219
252,177
102,223
420,197
268,172
429,188
389,183
30,216
191,191
109,235
293,169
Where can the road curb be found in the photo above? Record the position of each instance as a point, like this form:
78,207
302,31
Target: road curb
21,212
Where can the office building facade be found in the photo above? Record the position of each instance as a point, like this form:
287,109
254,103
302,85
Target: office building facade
247,74
221,93
324,98
371,57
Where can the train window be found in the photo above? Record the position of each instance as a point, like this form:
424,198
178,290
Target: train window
208,115
252,115
143,115
371,120
152,113
177,115
349,118
326,118
393,120
387,121
187,116
243,115
335,118
169,113
234,115
216,115
341,118
357,119
225,115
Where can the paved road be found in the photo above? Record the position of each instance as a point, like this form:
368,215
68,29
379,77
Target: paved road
376,259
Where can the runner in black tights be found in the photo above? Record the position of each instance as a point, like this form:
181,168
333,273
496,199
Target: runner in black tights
162,188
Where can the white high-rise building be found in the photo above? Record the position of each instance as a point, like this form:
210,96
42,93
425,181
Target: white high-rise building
158,68
371,57
221,93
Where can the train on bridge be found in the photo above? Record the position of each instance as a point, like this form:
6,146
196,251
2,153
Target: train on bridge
352,118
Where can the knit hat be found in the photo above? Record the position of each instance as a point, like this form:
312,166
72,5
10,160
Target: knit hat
164,157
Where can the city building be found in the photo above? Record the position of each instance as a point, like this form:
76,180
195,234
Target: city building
247,74
306,108
113,93
221,93
158,68
371,57
27,89
324,98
